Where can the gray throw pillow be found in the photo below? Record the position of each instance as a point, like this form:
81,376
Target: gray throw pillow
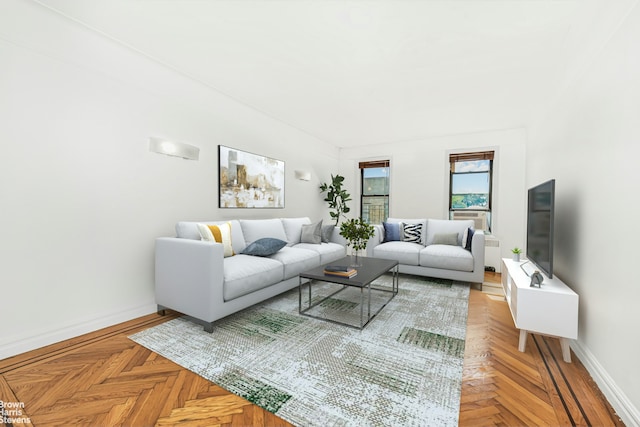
446,239
327,231
312,233
264,247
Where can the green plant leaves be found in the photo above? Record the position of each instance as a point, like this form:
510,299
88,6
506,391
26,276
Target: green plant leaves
336,197
357,232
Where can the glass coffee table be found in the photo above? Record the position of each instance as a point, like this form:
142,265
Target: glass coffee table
369,270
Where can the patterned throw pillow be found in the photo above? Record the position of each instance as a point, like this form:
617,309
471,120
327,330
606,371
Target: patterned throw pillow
412,233
220,233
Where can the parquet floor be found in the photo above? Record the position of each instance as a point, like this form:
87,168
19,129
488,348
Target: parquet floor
104,379
504,387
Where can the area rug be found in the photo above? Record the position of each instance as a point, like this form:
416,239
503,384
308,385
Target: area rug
403,369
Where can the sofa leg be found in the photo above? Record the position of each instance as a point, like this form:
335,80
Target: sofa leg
208,327
161,310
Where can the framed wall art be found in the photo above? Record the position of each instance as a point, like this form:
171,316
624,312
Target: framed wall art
248,180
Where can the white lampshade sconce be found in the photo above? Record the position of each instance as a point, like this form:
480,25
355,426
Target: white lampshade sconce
303,176
176,149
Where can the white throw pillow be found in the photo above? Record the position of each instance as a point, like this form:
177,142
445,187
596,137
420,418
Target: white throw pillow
205,233
220,233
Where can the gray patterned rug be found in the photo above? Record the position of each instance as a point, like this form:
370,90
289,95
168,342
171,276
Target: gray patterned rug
404,368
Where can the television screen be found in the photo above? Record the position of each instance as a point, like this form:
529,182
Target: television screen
540,226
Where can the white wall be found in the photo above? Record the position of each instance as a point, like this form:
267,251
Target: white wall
82,197
420,178
588,142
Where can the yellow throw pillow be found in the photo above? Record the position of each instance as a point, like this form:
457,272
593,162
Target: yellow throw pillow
220,233
205,233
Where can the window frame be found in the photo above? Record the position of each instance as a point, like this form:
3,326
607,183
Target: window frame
372,165
467,157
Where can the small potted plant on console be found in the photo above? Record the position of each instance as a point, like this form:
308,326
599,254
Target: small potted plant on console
516,253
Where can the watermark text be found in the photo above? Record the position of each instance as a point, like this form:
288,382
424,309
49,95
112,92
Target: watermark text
13,413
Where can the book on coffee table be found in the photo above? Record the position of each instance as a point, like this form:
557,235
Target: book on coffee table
340,268
340,271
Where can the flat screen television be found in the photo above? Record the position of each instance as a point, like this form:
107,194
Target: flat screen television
540,212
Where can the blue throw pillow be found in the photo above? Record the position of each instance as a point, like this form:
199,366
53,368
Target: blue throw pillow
264,247
469,233
391,231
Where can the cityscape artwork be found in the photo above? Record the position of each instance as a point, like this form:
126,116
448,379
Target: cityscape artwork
248,180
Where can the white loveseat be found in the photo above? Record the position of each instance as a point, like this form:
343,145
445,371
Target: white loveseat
194,277
443,249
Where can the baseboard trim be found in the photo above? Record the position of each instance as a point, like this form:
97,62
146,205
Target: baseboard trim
629,414
44,338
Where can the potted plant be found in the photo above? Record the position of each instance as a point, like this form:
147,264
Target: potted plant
357,232
516,253
337,197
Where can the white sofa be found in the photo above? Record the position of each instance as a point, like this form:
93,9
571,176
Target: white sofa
436,254
194,277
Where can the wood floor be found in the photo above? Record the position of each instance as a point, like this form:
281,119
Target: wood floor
105,379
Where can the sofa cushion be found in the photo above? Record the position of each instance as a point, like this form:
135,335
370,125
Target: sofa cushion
328,252
264,247
296,260
254,229
293,228
444,226
312,233
218,233
446,257
244,274
422,221
403,252
189,230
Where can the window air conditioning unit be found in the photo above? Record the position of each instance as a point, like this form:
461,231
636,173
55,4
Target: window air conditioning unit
479,218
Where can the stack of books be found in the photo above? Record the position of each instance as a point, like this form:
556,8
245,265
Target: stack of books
340,271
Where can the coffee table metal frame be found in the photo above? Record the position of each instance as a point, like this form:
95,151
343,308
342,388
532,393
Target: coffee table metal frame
370,270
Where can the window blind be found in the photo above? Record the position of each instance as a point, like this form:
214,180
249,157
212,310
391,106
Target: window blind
469,157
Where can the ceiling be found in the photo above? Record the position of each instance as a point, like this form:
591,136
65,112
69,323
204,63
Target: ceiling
359,72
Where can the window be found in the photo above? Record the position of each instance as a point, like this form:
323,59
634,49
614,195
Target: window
374,193
470,184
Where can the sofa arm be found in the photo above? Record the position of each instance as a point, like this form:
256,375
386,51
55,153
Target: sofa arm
477,250
189,276
378,237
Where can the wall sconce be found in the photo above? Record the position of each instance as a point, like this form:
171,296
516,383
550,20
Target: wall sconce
177,149
303,176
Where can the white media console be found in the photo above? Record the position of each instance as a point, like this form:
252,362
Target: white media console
551,309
